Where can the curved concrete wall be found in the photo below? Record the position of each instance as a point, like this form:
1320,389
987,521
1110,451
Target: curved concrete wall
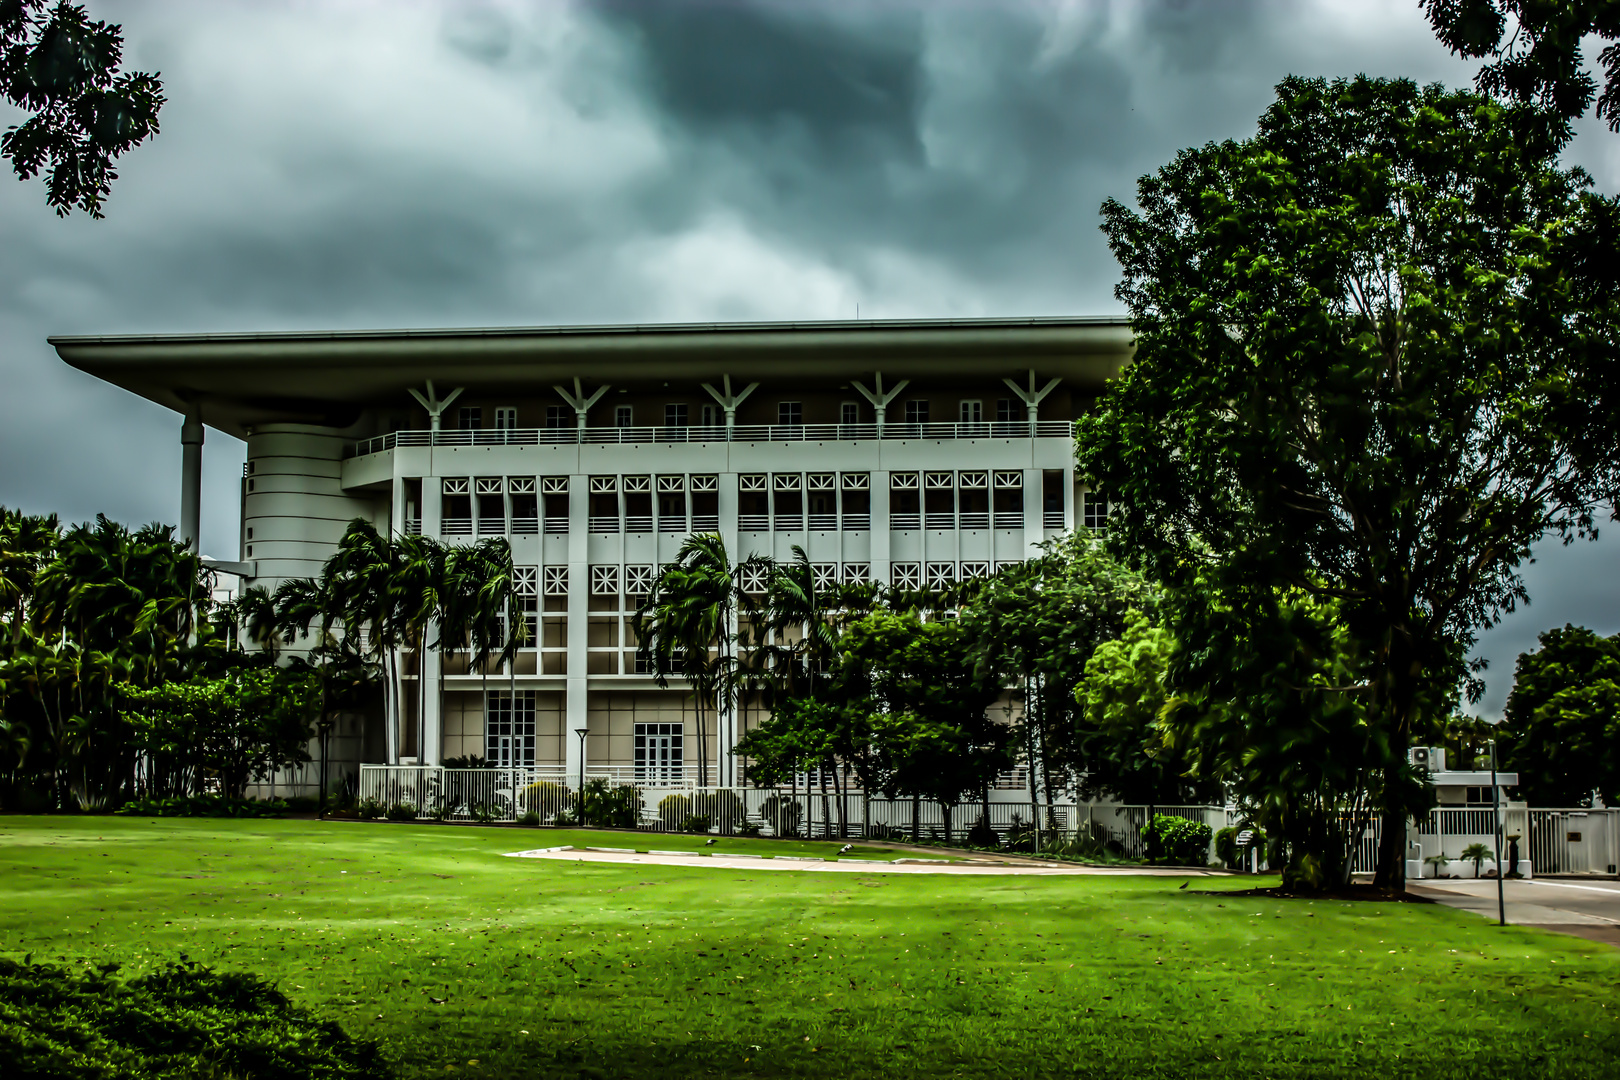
295,509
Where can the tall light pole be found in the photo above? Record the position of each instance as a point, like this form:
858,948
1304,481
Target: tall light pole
1496,809
582,732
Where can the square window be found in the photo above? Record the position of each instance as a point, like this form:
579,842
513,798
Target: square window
470,419
505,419
675,415
790,412
906,575
849,413
917,412
1009,410
624,416
1096,510
558,416
971,412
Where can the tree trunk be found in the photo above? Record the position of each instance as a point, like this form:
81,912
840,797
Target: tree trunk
945,812
1391,869
916,818
843,807
826,806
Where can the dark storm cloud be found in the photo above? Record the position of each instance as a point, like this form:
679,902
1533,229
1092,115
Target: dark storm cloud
500,162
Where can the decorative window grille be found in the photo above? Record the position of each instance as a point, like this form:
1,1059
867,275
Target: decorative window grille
823,575
940,481
605,580
489,485
906,575
752,482
789,481
849,412
855,481
658,751
638,580
520,485
857,573
671,484
457,485
975,571
526,580
526,584
705,483
821,481
941,575
637,485
752,579
1009,481
604,485
1007,564
972,480
1096,511
556,580
509,729
903,481
554,485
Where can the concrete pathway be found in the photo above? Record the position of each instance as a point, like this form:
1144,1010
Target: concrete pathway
1588,908
845,866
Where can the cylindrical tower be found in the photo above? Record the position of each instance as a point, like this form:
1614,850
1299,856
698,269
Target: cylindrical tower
295,509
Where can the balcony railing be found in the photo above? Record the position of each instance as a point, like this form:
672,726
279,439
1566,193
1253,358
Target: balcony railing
638,523
940,521
604,524
556,526
672,524
741,433
823,522
705,523
754,522
857,522
488,526
525,526
975,521
905,521
788,523
1053,519
1013,520
456,527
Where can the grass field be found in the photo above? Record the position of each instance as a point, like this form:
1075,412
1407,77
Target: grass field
465,963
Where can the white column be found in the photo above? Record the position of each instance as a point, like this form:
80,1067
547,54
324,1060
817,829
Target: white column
432,509
432,505
191,444
878,500
576,713
1034,524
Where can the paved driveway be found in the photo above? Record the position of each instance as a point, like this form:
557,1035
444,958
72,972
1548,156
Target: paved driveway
1588,908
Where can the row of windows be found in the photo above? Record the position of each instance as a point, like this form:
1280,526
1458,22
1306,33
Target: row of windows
635,580
789,413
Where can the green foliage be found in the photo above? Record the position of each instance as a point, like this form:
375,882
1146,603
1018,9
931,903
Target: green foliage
370,809
1227,849
1561,728
608,806
723,808
181,1021
1535,48
545,798
982,835
782,813
401,811
61,68
1374,364
529,818
470,762
1179,841
220,806
695,823
1477,853
673,810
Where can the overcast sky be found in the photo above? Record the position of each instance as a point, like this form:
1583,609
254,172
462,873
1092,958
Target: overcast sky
345,165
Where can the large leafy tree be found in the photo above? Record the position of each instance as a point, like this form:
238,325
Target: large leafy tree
1561,727
63,68
1371,366
1535,50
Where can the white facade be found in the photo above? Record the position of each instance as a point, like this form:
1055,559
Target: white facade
905,453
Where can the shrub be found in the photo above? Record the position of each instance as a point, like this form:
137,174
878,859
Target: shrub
482,813
370,809
673,810
695,823
442,810
528,817
402,811
1226,845
203,806
180,1021
472,761
724,808
1181,842
748,828
782,814
609,807
545,799
982,835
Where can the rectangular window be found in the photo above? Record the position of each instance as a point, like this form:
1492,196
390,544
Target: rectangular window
675,415
790,412
659,751
1096,510
505,419
1009,410
713,416
971,412
917,412
849,413
624,416
470,419
558,416
509,729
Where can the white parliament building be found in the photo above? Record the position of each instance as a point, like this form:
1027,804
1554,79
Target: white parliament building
908,452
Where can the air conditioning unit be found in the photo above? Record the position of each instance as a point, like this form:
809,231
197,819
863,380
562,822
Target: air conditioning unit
1432,758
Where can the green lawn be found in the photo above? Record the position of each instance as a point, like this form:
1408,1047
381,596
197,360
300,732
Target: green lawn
465,963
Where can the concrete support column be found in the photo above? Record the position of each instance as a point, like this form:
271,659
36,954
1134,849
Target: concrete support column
1071,500
432,505
432,717
191,444
576,714
878,499
1034,519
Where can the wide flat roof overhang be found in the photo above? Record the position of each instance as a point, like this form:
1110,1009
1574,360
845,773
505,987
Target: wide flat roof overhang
240,380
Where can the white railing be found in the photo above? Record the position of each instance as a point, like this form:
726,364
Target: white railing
975,521
754,522
1053,519
751,433
525,526
456,527
556,526
823,522
672,525
1013,520
905,521
857,522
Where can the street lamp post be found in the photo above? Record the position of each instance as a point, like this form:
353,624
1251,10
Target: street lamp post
582,732
1496,809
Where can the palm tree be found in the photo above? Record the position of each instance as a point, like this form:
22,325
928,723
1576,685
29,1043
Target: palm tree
685,626
357,582
418,596
479,586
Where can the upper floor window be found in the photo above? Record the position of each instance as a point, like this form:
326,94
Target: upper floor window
789,412
971,412
1096,510
624,416
917,411
505,419
1009,410
713,416
675,415
557,416
849,413
470,418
